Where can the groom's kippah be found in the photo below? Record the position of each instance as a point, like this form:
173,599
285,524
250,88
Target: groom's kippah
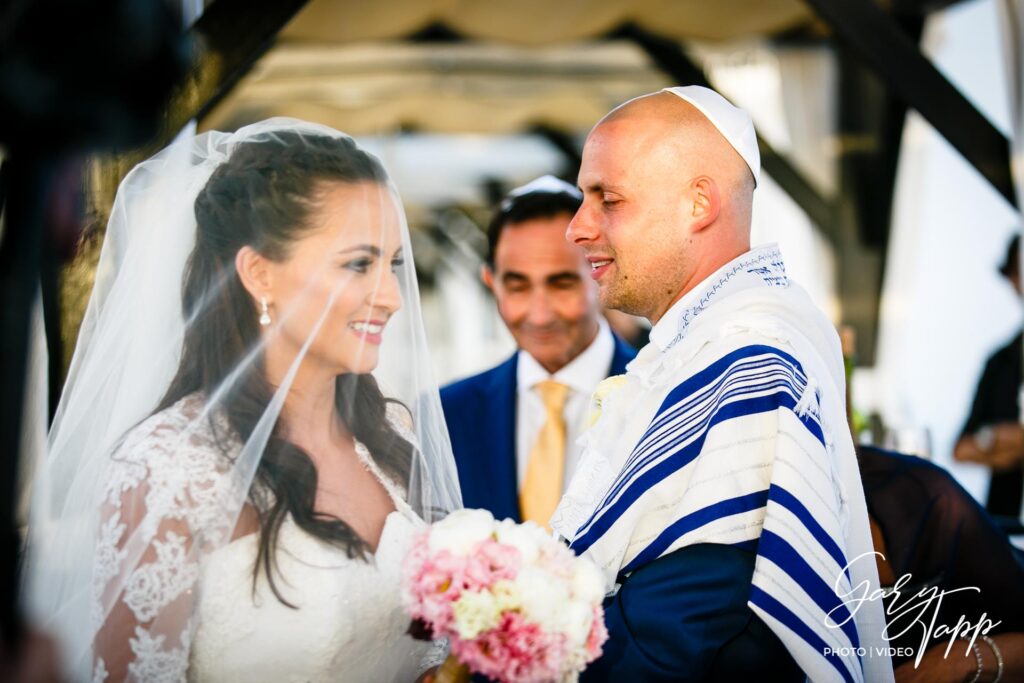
732,122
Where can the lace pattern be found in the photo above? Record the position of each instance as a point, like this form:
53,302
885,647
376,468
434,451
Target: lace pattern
156,662
166,491
154,586
170,501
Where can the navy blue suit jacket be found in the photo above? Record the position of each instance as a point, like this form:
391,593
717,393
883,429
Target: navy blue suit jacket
481,416
684,617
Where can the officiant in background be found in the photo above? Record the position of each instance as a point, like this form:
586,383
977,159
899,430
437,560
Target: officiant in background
513,427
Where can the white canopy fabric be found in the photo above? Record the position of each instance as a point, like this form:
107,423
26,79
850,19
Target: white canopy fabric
345,62
539,22
377,88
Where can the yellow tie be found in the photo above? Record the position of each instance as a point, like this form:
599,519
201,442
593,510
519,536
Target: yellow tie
542,487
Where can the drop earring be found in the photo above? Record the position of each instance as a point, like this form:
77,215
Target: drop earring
264,312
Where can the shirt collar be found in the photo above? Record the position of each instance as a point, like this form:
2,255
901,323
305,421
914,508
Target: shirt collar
581,374
759,267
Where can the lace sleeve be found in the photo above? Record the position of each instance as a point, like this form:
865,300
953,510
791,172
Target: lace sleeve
400,420
144,635
163,505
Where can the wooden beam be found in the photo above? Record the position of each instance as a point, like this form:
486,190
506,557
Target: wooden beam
565,144
23,183
877,39
870,126
233,35
920,7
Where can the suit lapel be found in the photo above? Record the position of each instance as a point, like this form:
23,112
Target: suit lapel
621,356
502,477
499,474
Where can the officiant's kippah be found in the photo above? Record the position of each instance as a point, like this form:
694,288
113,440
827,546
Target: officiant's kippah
546,184
732,122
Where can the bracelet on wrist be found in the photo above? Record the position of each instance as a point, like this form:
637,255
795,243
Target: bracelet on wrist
999,658
978,659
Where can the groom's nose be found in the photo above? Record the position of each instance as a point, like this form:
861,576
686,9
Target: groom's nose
581,228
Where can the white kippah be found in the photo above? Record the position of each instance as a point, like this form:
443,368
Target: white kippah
732,122
547,184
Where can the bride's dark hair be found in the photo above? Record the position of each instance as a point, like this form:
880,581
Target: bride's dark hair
262,197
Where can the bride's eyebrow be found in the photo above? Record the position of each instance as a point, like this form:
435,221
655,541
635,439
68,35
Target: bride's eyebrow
374,251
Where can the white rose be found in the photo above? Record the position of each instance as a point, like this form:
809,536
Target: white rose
521,537
506,595
603,389
460,531
543,597
587,581
576,619
475,612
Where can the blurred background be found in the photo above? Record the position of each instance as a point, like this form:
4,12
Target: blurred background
887,133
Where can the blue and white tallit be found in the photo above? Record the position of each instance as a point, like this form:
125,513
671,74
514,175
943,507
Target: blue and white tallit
730,428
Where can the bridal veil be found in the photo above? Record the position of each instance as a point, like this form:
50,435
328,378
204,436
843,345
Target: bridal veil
108,528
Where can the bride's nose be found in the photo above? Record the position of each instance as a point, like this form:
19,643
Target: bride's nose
386,295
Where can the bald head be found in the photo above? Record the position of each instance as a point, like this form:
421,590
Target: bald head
667,201
684,142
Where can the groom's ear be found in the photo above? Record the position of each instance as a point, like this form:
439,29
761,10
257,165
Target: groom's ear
707,202
253,272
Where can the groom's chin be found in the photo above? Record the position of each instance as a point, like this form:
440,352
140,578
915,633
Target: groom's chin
607,295
614,299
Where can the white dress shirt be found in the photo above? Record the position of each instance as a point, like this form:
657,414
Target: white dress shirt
582,376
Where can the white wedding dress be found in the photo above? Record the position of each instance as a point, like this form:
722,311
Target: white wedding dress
347,625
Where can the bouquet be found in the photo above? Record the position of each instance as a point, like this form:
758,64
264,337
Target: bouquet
514,603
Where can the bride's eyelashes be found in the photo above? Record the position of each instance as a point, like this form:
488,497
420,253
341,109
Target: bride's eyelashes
363,265
359,265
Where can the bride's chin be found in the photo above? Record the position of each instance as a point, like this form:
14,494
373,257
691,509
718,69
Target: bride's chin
359,366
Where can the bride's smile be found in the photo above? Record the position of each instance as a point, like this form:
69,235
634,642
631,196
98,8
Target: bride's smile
336,286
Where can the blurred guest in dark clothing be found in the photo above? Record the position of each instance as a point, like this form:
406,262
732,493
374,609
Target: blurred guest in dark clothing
993,434
932,536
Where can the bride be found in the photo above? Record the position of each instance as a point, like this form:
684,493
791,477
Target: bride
250,433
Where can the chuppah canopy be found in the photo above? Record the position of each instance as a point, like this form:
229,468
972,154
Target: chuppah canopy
540,22
381,87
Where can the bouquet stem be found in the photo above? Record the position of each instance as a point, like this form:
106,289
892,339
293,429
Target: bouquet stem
452,671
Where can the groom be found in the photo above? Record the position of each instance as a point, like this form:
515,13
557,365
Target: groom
719,489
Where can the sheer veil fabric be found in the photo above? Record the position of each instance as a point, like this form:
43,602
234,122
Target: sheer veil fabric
180,431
